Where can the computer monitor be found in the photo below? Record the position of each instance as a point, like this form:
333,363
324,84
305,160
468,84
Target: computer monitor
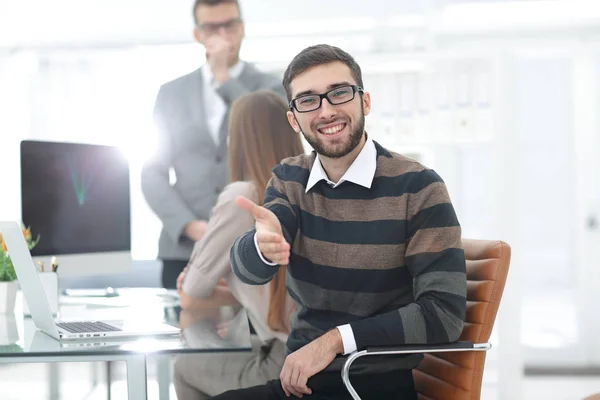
77,198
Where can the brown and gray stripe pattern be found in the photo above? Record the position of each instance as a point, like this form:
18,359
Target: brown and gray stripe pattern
387,260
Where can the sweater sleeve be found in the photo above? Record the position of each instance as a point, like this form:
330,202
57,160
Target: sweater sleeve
436,261
246,262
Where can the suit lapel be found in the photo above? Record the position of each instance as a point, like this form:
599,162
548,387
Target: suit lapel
197,108
247,78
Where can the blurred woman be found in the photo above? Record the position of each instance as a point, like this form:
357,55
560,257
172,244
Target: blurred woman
259,138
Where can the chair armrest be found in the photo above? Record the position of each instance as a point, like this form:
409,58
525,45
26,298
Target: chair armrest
406,349
429,348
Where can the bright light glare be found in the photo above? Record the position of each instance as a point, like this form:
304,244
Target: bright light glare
518,13
316,26
139,148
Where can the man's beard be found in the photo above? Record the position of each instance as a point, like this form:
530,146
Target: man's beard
337,152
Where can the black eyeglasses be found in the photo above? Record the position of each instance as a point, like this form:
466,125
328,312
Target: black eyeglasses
211,28
336,96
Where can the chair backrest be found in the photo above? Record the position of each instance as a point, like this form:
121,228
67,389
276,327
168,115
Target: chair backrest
458,376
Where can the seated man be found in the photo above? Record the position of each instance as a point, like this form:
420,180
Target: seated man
370,238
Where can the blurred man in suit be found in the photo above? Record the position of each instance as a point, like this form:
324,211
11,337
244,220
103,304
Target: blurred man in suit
191,115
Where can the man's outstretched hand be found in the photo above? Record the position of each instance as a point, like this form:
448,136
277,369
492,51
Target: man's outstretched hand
269,235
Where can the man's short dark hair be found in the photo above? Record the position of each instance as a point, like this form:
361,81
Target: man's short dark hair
318,55
209,3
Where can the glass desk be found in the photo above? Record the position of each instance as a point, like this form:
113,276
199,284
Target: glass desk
223,329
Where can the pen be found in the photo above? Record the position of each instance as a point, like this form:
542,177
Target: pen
53,264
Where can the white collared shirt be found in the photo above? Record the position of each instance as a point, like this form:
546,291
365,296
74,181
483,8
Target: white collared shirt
361,172
214,106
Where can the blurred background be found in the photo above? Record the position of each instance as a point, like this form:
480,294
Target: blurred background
500,97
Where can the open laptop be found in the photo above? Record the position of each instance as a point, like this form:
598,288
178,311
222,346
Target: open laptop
32,289
43,343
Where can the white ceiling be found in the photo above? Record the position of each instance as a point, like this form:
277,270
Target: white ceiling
66,23
35,22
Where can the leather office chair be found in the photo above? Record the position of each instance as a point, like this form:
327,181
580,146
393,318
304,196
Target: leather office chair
455,371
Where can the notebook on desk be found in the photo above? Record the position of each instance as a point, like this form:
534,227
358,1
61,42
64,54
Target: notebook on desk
32,289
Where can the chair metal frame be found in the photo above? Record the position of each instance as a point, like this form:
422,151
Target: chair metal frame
478,254
409,349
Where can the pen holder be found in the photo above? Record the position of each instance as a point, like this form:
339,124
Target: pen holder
9,333
50,285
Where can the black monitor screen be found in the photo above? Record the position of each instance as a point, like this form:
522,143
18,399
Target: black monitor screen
76,197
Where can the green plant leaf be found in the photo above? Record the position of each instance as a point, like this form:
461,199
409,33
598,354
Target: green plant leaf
7,270
33,243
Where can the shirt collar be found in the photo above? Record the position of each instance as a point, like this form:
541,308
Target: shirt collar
234,72
361,171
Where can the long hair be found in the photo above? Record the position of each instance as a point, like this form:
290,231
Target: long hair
260,136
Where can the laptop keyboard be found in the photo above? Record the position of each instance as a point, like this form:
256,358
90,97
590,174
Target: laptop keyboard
87,327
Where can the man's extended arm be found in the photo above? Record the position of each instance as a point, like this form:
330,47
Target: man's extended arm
162,198
246,261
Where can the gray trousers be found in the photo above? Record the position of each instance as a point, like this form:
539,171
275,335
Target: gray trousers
201,376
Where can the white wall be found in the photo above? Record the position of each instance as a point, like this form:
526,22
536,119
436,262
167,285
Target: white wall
543,108
15,121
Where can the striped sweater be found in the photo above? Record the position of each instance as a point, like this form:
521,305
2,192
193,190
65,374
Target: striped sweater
387,260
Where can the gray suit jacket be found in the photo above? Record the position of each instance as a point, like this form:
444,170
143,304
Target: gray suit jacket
185,144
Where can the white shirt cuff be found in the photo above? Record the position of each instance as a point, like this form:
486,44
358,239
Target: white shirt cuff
260,254
347,338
